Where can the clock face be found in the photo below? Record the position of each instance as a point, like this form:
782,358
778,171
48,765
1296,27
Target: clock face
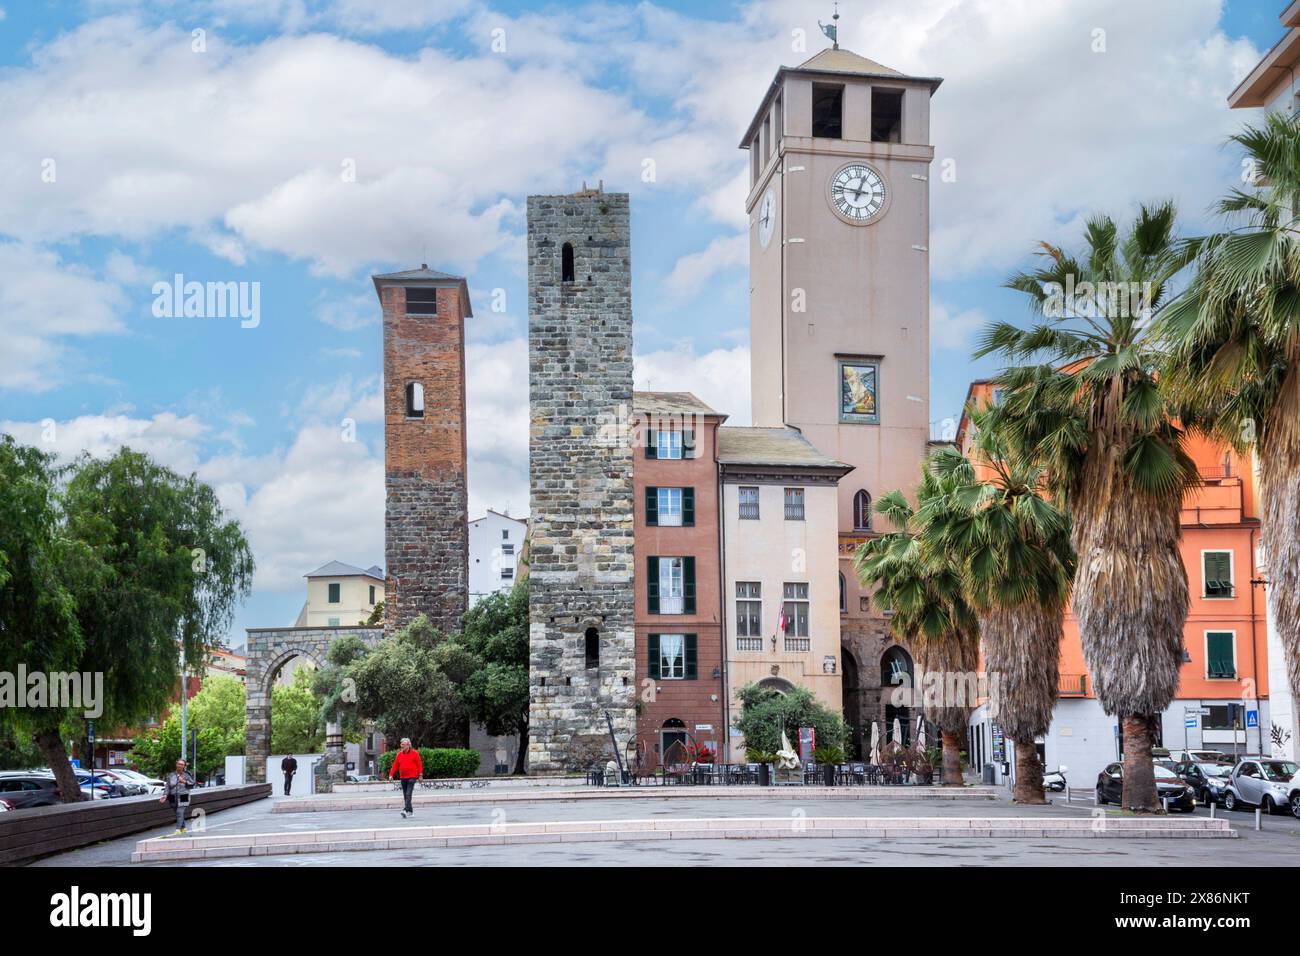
767,217
858,194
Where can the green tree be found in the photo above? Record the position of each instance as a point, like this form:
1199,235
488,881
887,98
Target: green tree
493,679
1234,359
296,725
335,688
110,567
402,688
917,577
765,711
1017,565
1082,395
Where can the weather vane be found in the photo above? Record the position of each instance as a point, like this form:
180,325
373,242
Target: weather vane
832,30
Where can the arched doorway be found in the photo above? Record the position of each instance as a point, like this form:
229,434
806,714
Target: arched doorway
851,692
897,683
673,742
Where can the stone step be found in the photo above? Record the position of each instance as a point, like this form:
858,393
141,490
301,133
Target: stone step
393,798
170,849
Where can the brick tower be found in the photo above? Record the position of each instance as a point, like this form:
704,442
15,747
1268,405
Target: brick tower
581,608
426,541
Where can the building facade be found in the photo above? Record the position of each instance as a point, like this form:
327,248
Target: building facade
341,595
496,543
582,648
679,656
781,588
425,496
1272,86
840,156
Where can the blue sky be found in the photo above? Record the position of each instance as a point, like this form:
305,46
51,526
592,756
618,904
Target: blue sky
213,139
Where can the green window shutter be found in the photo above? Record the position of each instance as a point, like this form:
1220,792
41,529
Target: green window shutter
688,507
334,594
652,506
1218,574
652,649
652,592
1219,653
651,437
688,443
688,585
691,667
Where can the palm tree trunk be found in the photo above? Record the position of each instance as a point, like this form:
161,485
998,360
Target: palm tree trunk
1029,774
1139,770
951,759
56,757
1279,480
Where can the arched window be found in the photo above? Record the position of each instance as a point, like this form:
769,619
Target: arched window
844,595
414,400
593,647
862,511
566,263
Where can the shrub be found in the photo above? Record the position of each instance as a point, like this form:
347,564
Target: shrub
764,711
438,762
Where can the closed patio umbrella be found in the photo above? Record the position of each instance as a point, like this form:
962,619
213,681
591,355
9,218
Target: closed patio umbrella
898,732
920,732
875,742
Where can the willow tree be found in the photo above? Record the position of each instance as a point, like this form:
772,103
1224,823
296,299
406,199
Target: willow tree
1083,396
1017,564
920,583
1234,360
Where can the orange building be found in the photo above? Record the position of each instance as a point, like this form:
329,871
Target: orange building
1222,699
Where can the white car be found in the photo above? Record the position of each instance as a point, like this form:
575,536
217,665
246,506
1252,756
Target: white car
155,786
1264,782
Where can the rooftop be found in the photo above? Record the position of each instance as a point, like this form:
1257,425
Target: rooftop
426,277
772,446
670,403
337,569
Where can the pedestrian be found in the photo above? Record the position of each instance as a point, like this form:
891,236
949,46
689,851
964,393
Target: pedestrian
290,766
408,768
177,792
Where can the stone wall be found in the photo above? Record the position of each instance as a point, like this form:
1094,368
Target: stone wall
426,538
580,461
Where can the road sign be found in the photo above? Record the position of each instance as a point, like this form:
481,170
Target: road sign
1203,711
1192,722
1252,718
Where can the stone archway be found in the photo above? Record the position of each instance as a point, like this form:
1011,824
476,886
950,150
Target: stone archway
268,650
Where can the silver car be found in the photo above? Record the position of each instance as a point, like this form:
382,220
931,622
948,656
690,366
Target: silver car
1264,782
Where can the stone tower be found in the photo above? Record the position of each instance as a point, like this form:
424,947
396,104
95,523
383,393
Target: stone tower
426,544
581,607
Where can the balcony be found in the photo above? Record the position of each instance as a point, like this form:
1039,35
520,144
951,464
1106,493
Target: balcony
798,645
749,643
1220,499
1072,685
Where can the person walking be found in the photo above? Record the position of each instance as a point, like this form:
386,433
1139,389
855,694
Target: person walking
176,791
408,768
290,766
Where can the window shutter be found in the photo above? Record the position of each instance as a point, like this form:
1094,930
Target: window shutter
688,585
652,648
690,657
688,507
1219,652
688,443
652,590
652,506
651,438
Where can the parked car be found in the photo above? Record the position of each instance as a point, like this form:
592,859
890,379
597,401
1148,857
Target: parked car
23,790
152,785
1169,787
1201,756
1264,782
130,786
100,783
1054,780
1208,779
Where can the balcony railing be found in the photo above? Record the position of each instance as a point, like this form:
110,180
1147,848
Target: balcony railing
749,643
794,512
1073,685
749,510
798,645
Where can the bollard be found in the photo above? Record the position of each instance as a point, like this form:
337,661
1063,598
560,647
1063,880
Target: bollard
1068,798
1213,805
1258,819
1164,801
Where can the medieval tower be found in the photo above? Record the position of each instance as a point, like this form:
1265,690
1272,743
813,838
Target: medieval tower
426,544
582,651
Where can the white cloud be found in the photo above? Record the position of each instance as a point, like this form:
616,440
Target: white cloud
954,331
692,271
719,378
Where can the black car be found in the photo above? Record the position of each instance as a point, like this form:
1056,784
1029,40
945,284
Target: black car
1208,779
29,790
1169,787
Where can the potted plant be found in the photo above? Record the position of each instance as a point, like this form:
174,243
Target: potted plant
764,759
828,758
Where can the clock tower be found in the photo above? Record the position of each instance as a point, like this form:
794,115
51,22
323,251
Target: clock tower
839,212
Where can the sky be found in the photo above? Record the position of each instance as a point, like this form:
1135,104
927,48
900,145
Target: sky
299,147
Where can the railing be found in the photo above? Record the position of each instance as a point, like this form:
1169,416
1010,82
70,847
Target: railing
794,512
749,512
1073,685
749,643
798,644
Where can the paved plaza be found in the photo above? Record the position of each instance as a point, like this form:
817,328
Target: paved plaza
1278,844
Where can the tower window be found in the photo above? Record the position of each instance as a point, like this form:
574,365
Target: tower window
862,511
421,301
886,116
828,110
566,263
592,638
414,400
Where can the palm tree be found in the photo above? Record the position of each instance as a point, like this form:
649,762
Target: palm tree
1083,396
1234,338
921,585
1017,565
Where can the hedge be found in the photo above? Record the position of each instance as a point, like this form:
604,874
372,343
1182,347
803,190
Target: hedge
438,762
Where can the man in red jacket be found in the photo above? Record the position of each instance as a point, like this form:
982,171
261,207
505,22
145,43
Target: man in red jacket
408,768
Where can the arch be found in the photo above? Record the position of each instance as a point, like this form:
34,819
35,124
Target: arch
897,670
674,723
778,684
844,595
566,262
414,400
862,510
894,663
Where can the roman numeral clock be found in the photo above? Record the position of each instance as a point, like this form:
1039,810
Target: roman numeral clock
858,194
